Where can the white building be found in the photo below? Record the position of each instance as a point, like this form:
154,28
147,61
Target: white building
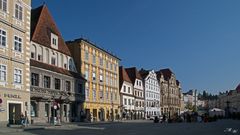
191,98
126,94
152,93
138,89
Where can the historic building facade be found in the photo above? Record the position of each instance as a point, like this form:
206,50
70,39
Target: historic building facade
152,93
100,69
14,60
138,89
170,92
57,90
126,94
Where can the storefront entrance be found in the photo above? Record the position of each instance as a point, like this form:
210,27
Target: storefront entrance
101,114
14,111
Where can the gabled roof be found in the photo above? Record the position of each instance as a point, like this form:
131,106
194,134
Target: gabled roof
144,73
42,25
123,76
167,73
56,69
238,88
133,74
159,74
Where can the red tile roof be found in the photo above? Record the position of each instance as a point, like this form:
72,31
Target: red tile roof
56,69
123,76
42,25
238,89
144,73
133,74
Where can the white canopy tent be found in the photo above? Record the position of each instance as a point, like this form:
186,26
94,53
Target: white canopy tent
216,112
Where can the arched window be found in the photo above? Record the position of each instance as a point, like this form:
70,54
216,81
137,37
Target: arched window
61,61
40,53
33,51
70,64
47,56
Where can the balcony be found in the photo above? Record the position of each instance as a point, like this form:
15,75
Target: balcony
45,93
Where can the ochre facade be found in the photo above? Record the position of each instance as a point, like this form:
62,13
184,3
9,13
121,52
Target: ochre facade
100,69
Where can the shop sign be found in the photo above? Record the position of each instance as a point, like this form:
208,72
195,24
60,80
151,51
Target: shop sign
16,96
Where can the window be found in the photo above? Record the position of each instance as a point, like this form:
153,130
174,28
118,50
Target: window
68,85
107,64
101,95
86,74
124,88
18,12
94,76
86,55
115,67
94,95
94,59
87,93
125,101
33,109
57,83
128,89
111,96
46,81
3,72
54,41
3,38
101,61
116,97
101,78
35,79
17,76
129,101
107,94
53,61
17,44
3,5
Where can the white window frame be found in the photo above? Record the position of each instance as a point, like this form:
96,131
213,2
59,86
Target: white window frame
2,2
54,41
19,14
2,36
15,80
18,43
3,70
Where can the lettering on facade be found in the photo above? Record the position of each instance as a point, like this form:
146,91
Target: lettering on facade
12,96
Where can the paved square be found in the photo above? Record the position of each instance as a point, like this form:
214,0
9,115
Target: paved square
139,128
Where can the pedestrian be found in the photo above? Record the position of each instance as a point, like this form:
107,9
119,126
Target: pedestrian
22,117
164,118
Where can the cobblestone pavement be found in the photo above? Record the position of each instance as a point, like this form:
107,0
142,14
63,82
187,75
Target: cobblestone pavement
223,127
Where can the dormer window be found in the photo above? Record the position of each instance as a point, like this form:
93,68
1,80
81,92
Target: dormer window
54,41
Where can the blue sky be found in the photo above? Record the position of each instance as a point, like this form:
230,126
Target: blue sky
198,39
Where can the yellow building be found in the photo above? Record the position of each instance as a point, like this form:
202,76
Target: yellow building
100,69
14,60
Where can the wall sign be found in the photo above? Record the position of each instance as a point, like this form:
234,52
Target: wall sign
12,96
